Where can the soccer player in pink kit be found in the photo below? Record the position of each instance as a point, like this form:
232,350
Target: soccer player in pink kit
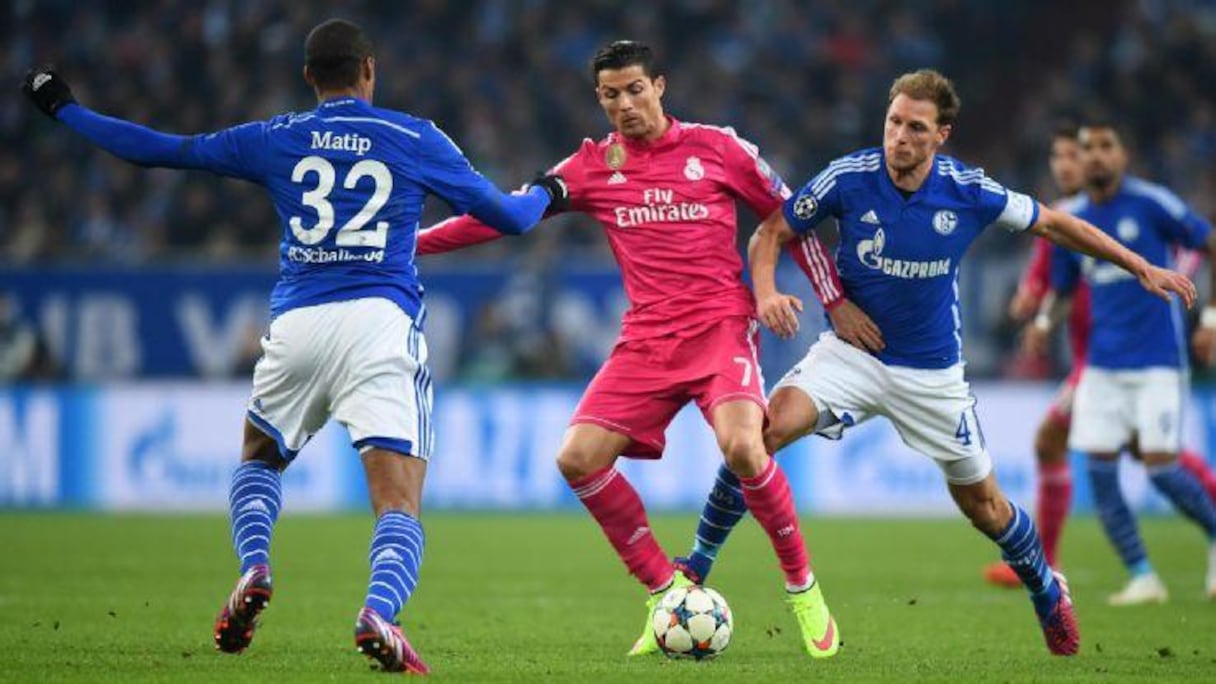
1054,495
665,192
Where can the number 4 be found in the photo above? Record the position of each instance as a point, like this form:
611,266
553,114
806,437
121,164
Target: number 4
963,433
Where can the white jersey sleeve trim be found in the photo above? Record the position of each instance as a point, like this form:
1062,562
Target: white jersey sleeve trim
1019,214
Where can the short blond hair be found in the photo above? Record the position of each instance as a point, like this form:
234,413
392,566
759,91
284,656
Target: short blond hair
928,84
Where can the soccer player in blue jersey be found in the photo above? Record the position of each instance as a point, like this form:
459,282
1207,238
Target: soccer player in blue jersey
906,216
1136,374
348,181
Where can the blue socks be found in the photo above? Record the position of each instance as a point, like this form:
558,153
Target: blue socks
1187,495
1022,550
1117,519
396,555
254,500
723,510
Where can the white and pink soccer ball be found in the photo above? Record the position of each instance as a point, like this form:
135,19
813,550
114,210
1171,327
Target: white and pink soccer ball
692,622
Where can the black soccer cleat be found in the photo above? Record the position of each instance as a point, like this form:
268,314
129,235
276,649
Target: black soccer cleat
236,622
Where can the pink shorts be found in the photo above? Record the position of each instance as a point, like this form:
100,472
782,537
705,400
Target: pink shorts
1060,412
644,383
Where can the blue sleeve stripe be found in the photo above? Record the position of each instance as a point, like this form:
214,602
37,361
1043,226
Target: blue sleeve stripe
826,179
845,163
366,119
971,177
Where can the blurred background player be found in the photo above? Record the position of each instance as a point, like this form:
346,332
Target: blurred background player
665,192
1137,368
1054,481
346,334
906,216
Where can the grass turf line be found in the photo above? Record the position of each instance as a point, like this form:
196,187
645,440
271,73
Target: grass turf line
517,597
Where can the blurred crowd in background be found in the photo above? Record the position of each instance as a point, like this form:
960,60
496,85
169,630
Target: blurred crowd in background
509,81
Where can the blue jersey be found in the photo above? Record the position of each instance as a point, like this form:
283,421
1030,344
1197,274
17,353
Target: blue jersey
348,181
1132,328
898,257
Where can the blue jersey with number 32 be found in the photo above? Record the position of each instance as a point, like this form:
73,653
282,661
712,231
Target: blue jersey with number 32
348,181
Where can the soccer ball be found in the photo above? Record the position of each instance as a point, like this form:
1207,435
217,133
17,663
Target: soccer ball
692,622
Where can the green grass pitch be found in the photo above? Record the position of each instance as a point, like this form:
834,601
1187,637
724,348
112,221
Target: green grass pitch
523,598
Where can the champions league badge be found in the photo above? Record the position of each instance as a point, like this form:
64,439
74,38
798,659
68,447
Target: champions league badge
805,206
615,156
945,221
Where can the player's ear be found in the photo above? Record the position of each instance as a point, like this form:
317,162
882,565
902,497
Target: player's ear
660,84
308,77
369,68
943,133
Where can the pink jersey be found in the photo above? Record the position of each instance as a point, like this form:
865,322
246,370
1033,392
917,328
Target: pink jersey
668,207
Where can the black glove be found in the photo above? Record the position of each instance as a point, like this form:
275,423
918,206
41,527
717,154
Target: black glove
555,185
47,90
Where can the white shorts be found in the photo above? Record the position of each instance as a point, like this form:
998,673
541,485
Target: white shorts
361,362
932,409
1111,406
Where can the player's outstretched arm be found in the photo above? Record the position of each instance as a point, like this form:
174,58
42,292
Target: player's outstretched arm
1076,234
468,230
516,214
47,90
455,233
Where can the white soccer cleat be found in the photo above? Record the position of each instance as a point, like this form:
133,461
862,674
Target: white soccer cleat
1210,585
1143,589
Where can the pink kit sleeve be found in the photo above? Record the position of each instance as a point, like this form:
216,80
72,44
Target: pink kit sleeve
759,186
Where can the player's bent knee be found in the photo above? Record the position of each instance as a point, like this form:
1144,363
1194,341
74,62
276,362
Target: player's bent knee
745,454
576,461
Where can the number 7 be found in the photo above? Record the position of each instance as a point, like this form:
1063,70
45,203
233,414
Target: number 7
747,369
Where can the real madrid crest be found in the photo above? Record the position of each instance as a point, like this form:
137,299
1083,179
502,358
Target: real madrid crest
693,170
615,156
945,221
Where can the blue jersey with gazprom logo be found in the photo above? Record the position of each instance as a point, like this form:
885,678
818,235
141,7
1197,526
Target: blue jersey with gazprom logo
898,257
348,181
1132,328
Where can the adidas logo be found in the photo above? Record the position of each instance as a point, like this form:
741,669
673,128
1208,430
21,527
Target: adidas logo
255,505
637,535
785,531
387,554
617,178
871,218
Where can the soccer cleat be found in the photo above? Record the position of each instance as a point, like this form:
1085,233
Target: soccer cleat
1146,588
236,622
384,642
1060,629
1002,575
819,633
682,566
647,643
